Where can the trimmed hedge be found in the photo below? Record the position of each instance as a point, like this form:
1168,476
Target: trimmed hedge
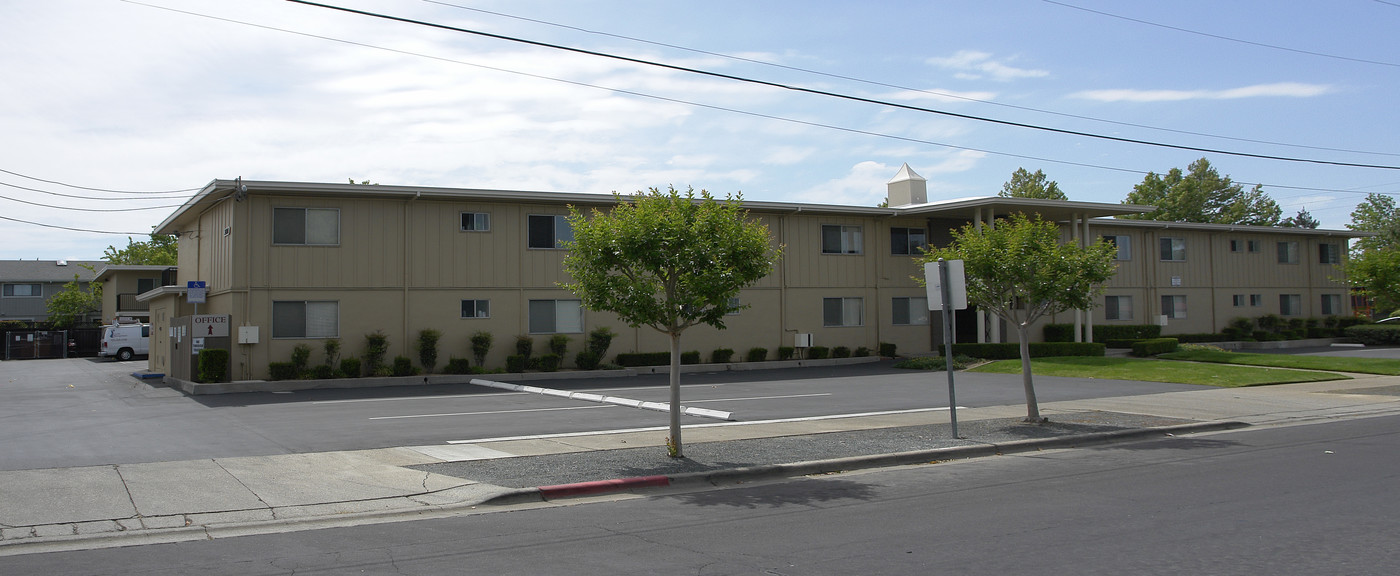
1012,350
550,362
818,352
786,352
756,355
282,371
458,366
213,365
1154,346
691,357
350,367
721,355
1104,332
630,359
1375,334
887,349
1202,337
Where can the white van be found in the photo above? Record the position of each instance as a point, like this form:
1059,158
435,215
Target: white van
125,340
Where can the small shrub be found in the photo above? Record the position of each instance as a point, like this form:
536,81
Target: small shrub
1104,333
862,352
427,349
818,352
481,344
403,366
587,360
1120,343
1270,322
1203,337
376,347
1154,346
517,363
550,362
558,345
301,356
840,352
458,366
213,365
786,352
887,350
323,372
599,340
1316,332
532,363
629,359
331,348
282,371
721,355
524,345
756,355
692,357
350,367
1296,324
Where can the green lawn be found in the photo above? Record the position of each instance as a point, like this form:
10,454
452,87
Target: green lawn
1362,365
1223,375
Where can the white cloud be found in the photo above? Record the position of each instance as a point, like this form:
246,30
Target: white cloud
1276,90
975,65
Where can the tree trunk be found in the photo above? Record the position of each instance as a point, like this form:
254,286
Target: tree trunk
675,440
1032,407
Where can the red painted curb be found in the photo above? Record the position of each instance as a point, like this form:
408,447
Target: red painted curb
601,486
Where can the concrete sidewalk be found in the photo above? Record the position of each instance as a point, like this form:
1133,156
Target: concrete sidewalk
131,504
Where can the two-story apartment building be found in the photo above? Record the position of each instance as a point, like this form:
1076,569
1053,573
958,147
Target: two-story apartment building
27,285
304,262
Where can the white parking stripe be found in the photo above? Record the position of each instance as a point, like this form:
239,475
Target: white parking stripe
485,412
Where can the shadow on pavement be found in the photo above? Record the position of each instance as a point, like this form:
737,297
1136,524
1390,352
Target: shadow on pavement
801,493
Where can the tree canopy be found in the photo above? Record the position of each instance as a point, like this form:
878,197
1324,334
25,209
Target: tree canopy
1303,219
1019,270
68,307
1201,194
1024,184
1374,263
669,261
160,250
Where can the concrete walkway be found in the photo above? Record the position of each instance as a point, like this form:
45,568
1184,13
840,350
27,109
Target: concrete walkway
131,504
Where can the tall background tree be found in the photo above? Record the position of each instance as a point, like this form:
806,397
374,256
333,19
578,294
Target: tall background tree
1373,266
1303,219
1201,194
669,261
160,250
1020,271
69,307
1024,184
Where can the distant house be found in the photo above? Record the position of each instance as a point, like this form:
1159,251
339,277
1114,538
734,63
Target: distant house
298,263
27,285
122,283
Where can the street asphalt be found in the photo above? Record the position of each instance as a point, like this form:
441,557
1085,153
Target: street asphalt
133,504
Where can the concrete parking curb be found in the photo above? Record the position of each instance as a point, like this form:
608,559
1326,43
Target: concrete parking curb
732,475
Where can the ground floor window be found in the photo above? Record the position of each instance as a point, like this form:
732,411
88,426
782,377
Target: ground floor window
1331,304
910,311
476,308
556,316
1118,307
843,311
1174,307
1290,304
305,319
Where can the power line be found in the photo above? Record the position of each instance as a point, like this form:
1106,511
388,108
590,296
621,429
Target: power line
75,229
838,95
907,88
1226,38
94,189
89,209
99,198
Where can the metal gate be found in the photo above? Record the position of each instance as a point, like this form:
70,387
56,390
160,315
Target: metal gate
35,344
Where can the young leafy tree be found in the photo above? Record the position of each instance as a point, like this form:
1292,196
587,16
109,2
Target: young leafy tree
1019,270
1202,195
1374,262
669,261
161,250
66,308
1024,184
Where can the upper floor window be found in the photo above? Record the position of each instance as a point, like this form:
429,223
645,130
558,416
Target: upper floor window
1174,249
841,239
1287,252
907,240
1237,245
24,290
306,226
476,222
1122,245
144,285
550,231
1255,246
1329,254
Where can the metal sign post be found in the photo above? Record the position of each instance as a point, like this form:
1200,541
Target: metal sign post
947,290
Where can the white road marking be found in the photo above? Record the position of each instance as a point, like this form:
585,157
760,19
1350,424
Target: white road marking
710,425
485,412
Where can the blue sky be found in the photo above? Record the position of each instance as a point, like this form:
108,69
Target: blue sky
167,95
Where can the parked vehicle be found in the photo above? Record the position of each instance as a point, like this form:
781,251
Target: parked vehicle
125,341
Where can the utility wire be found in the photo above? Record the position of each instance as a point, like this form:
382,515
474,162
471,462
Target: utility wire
94,189
837,95
907,88
75,229
82,197
1226,38
89,209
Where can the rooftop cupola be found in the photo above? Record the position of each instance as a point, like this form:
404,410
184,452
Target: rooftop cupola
907,188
